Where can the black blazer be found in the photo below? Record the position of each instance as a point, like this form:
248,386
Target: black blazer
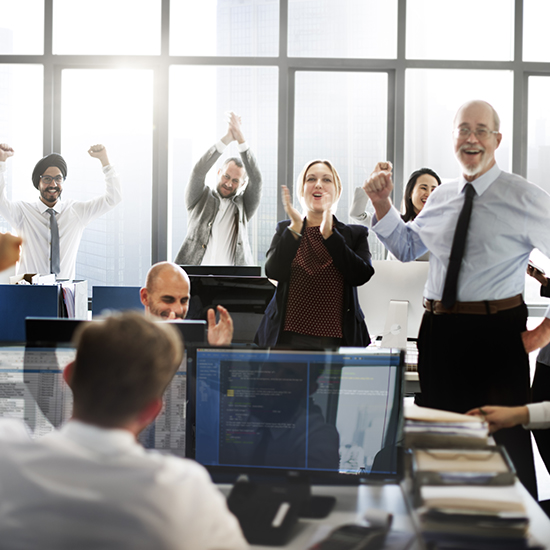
349,248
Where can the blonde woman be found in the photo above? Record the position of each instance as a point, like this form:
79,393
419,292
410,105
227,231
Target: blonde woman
318,263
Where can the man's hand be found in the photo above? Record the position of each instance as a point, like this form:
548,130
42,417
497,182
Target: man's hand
379,187
220,334
5,152
10,249
537,274
501,417
99,152
235,127
295,217
536,338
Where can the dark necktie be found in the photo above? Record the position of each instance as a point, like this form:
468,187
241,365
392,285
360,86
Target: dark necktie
54,252
457,250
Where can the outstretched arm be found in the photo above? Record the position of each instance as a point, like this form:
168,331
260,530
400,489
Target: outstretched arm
220,334
5,152
99,152
379,187
538,337
502,417
10,249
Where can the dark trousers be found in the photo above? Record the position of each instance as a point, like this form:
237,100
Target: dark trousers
540,391
467,361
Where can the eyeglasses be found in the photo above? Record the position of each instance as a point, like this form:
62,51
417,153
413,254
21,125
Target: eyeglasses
479,133
48,179
234,181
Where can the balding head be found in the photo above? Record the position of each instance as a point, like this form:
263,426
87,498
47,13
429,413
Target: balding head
480,104
476,138
166,291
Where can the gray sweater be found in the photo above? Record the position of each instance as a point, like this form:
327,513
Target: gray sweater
203,203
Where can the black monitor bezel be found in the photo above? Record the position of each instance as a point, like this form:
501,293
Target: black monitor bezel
230,474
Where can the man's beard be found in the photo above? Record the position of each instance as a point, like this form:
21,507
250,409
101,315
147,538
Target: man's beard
224,196
49,196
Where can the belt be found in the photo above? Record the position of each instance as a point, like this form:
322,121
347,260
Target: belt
474,308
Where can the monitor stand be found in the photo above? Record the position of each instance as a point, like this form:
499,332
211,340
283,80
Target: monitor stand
313,506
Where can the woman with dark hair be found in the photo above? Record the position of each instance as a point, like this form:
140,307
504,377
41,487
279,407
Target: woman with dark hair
318,262
420,186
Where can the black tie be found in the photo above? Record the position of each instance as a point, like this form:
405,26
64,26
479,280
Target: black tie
457,250
54,252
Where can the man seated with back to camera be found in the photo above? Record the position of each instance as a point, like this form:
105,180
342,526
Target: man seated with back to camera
166,295
90,484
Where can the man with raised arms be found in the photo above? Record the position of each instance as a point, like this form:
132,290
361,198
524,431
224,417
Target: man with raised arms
473,342
52,228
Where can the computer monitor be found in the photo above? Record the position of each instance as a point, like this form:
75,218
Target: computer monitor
393,280
246,299
118,298
50,331
333,416
32,389
227,270
192,331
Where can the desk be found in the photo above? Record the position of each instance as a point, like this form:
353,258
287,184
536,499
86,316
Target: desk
351,504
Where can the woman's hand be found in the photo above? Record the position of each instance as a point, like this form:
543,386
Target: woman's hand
295,217
326,223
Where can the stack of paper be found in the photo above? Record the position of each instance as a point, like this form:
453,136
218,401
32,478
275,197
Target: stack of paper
474,517
434,428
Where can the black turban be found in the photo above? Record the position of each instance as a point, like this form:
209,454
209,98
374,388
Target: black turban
53,159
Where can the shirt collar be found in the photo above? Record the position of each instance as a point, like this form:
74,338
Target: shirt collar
104,440
57,207
482,183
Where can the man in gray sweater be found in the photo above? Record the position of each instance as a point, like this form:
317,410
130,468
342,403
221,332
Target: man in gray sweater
218,218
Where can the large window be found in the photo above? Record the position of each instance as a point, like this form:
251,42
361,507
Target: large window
355,81
114,108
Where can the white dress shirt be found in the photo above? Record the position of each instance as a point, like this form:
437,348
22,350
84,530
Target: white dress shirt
539,415
509,218
223,237
32,223
89,487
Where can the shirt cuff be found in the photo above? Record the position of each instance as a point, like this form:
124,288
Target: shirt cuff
242,147
537,415
387,224
220,146
107,168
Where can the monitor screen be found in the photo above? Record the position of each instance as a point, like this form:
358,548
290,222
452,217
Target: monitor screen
334,415
32,389
117,298
246,299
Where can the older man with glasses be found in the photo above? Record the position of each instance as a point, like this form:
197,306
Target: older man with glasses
480,230
218,218
51,228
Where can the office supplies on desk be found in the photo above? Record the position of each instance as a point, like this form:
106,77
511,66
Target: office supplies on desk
433,428
487,466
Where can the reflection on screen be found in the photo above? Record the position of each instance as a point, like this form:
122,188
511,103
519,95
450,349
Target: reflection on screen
298,410
32,389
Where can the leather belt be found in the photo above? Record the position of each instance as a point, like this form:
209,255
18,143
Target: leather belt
474,308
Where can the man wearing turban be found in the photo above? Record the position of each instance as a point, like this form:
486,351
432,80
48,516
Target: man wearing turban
51,228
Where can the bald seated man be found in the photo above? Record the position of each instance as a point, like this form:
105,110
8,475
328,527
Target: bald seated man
166,295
